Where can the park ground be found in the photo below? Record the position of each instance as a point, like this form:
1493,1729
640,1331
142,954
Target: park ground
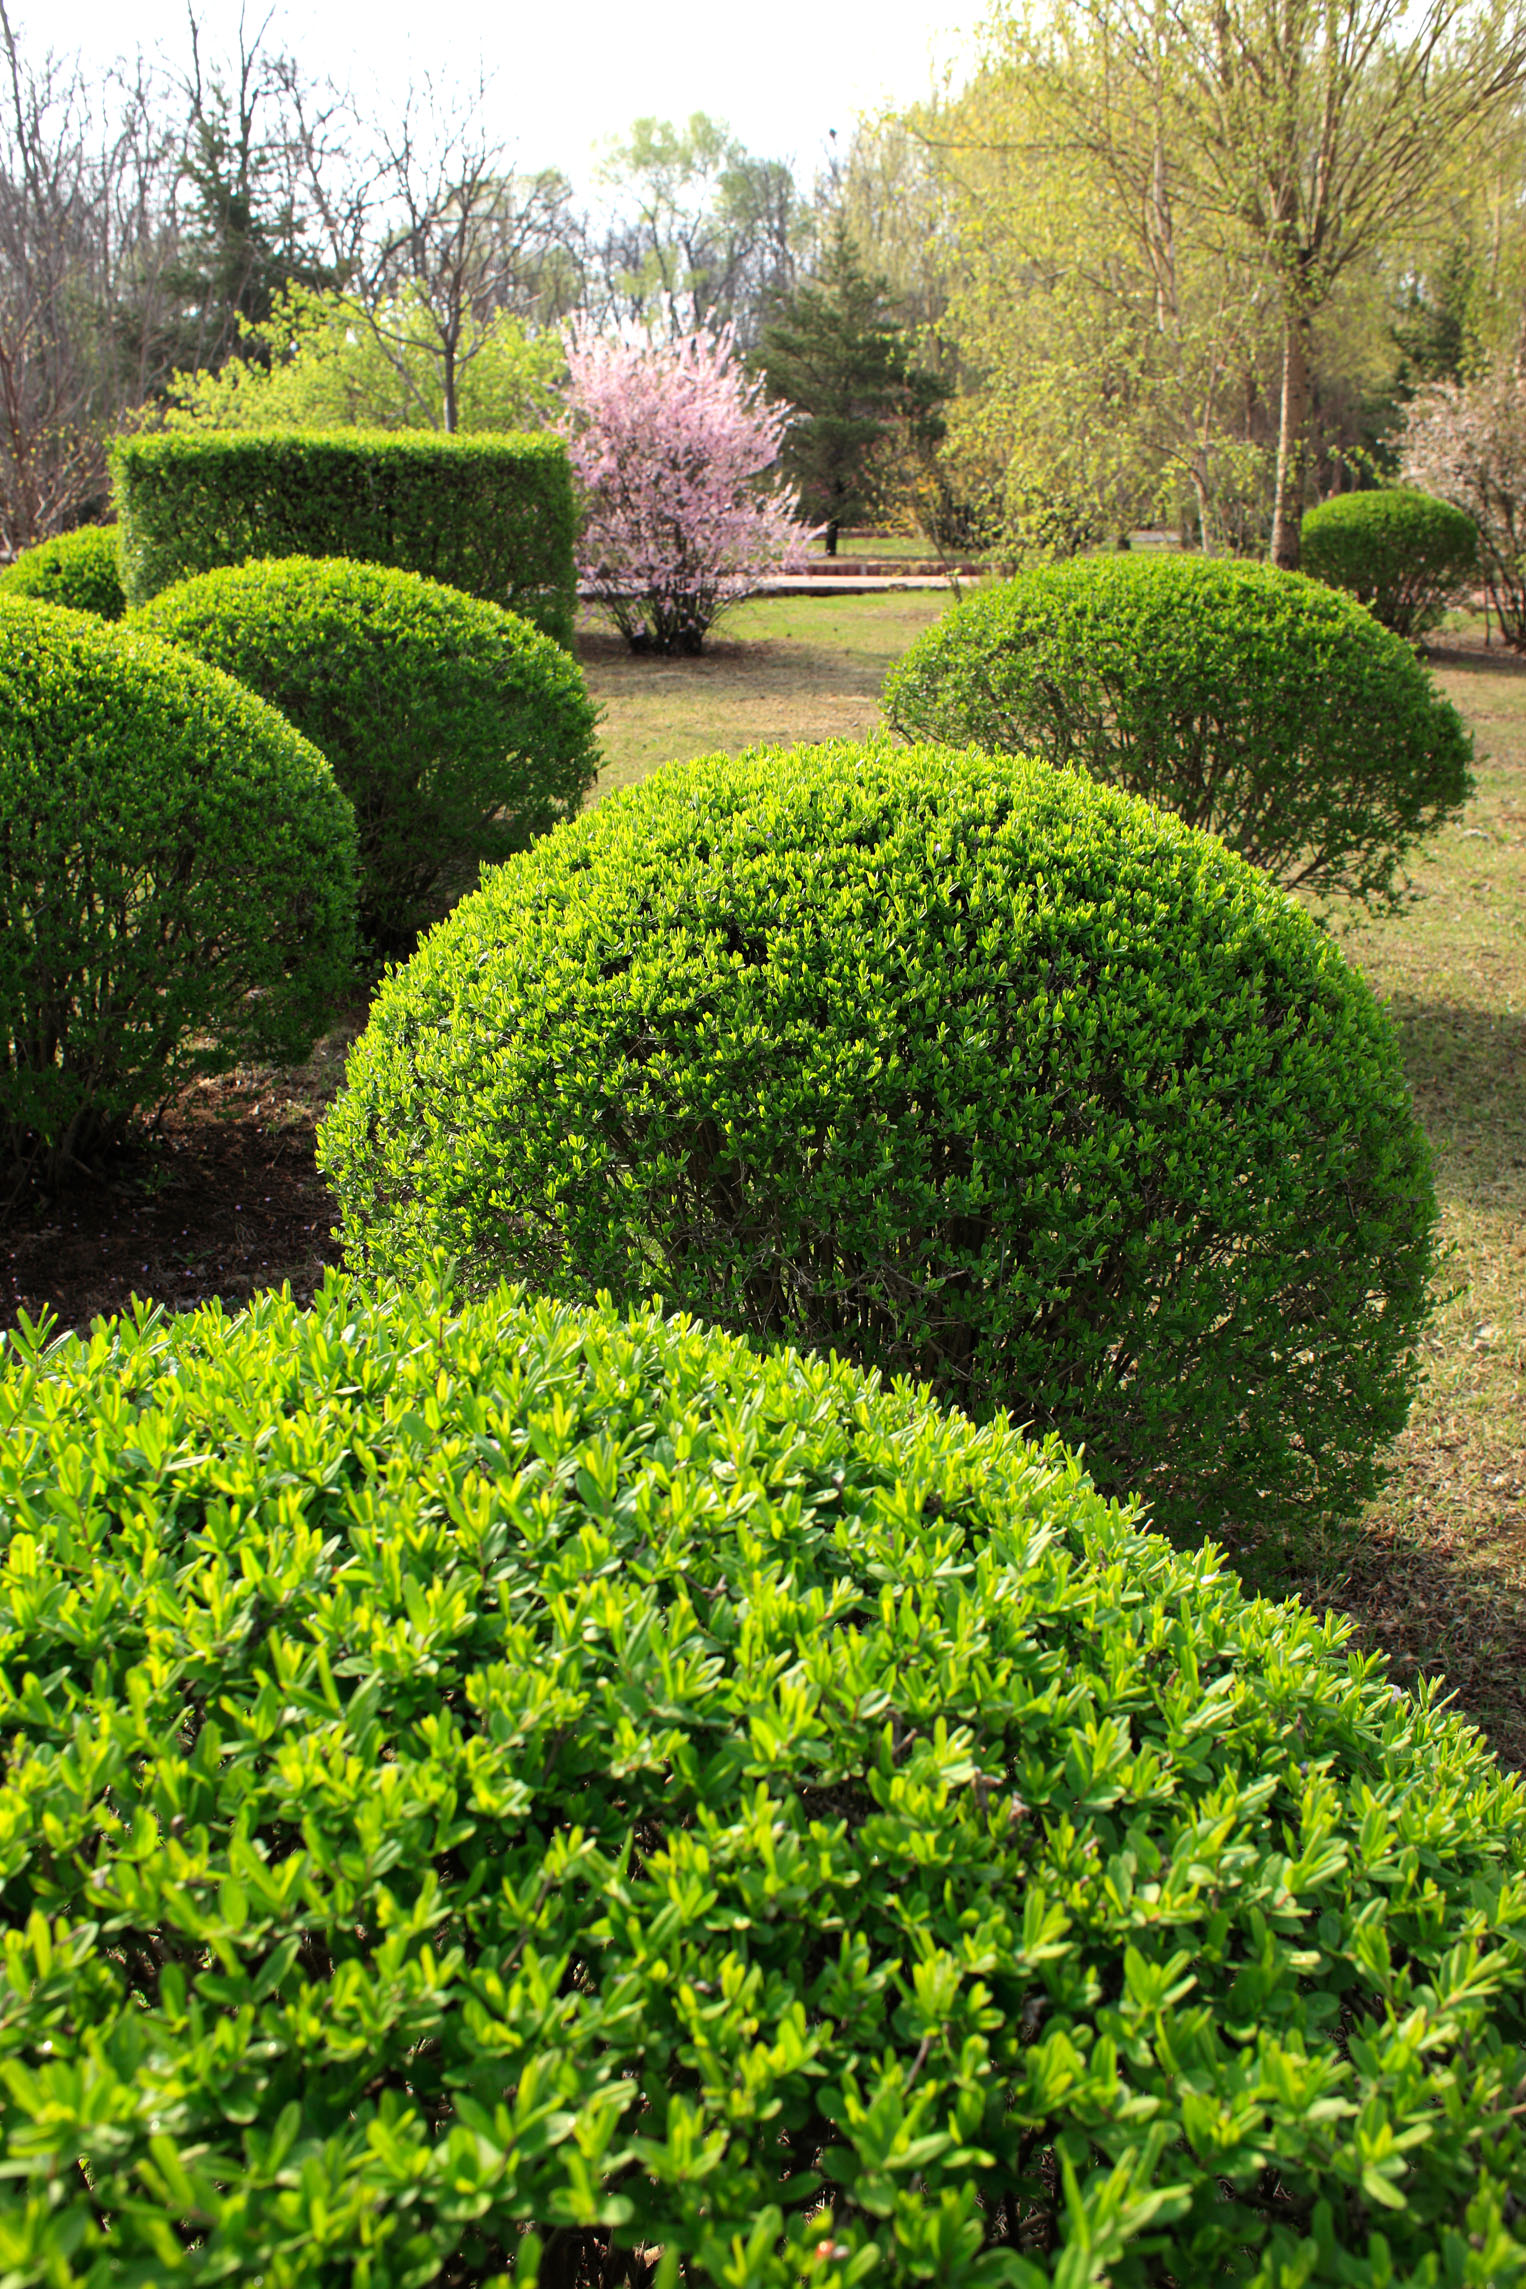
224,1198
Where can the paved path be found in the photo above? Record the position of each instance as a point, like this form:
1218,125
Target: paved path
838,584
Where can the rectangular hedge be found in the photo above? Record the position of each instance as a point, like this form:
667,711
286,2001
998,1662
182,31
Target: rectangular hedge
493,515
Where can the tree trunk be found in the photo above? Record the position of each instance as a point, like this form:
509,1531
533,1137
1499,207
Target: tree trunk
831,536
1291,437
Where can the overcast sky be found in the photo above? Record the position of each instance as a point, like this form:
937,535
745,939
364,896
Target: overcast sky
566,76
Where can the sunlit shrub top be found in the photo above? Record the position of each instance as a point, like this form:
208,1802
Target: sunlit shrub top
970,1068
80,570
486,1771
1256,704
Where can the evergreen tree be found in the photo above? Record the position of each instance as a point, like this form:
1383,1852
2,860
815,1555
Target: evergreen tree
836,353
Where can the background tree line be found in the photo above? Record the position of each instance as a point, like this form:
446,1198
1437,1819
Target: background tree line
1180,260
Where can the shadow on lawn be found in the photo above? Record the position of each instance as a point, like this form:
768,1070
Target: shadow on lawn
1418,1593
1469,656
1435,1613
1467,1068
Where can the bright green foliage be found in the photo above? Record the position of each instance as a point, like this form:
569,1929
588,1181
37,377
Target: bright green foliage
1402,554
177,880
79,569
971,1069
457,731
324,361
1255,704
491,515
490,1783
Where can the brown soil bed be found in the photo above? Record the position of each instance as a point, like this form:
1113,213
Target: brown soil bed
220,1198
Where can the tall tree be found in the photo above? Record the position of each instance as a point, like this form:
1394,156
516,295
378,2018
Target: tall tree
262,158
1248,159
466,241
702,231
837,354
87,242
1312,129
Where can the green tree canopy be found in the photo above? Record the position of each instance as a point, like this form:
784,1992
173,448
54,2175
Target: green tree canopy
327,361
836,352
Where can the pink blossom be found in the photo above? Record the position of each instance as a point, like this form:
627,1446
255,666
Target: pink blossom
1466,443
671,445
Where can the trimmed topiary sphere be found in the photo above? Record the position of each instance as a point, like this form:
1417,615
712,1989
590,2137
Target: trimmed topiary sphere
80,570
177,880
458,732
496,1792
1405,555
1253,703
974,1070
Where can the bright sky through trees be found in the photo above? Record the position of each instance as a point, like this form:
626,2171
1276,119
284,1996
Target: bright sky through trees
566,78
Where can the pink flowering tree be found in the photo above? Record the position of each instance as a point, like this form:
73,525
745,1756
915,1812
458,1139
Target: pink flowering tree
671,446
1466,443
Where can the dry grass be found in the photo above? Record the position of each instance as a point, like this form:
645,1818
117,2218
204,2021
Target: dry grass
1435,1574
782,669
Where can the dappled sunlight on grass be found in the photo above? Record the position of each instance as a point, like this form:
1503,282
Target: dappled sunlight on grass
780,669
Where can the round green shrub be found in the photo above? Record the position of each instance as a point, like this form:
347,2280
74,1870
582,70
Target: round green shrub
176,880
1405,555
1253,703
971,1069
458,731
496,1792
80,570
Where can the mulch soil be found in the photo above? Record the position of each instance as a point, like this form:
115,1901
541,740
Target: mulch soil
218,1198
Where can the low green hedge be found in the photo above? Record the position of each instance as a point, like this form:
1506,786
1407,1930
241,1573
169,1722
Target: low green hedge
80,570
972,1069
1253,703
499,1793
176,880
458,732
492,515
1404,555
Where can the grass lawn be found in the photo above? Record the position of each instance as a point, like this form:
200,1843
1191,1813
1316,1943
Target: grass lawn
1435,1574
783,668
908,548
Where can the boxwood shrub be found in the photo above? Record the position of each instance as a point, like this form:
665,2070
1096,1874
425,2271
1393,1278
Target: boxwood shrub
458,731
492,515
502,1792
80,570
176,880
972,1069
1405,555
1254,703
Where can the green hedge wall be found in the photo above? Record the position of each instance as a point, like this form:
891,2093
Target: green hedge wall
493,516
498,1793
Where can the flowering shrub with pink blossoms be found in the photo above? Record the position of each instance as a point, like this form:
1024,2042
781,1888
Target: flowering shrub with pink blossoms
1465,442
671,444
